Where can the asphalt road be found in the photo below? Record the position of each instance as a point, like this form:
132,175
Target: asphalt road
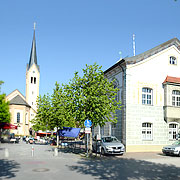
17,163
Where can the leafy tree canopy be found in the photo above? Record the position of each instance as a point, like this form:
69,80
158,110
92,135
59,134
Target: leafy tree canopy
92,97
4,107
88,97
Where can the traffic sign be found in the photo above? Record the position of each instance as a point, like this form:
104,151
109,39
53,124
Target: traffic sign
87,130
87,123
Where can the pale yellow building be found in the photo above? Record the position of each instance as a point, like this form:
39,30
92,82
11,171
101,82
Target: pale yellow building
23,109
149,89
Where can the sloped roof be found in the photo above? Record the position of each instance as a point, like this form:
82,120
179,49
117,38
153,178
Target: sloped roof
13,94
146,54
153,51
33,55
171,79
18,100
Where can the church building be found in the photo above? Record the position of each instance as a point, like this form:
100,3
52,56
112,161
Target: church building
23,108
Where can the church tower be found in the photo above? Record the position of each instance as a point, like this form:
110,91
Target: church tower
32,77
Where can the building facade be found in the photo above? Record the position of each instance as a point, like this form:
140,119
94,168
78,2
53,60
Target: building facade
23,109
149,90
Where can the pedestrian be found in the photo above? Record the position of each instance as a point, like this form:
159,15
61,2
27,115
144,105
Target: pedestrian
27,139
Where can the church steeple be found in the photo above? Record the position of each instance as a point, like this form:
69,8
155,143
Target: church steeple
32,77
33,55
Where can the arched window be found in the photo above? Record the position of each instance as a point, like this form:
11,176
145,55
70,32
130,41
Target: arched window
147,96
173,131
176,98
18,117
147,131
116,85
172,60
113,129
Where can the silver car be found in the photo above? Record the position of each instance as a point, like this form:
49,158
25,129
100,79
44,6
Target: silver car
108,145
173,149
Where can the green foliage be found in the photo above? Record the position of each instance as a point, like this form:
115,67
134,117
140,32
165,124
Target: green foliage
4,109
92,97
44,115
60,113
89,97
53,111
1,82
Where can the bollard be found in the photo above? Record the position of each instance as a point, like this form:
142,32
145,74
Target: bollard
32,151
6,153
55,151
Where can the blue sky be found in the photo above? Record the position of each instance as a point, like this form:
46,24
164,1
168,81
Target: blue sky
72,33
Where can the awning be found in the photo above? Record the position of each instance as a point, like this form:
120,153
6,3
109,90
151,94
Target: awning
4,125
69,132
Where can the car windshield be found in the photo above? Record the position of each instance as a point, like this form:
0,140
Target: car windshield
176,143
109,139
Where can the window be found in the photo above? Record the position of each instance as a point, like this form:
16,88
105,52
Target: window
172,60
34,80
176,98
146,131
113,129
31,80
147,96
18,117
116,85
173,131
26,118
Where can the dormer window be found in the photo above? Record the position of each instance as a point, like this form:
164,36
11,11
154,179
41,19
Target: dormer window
172,60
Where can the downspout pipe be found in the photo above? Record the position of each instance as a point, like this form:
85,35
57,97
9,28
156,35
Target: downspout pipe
123,102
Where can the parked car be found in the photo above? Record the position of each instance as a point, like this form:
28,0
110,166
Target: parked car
31,140
40,141
173,149
108,145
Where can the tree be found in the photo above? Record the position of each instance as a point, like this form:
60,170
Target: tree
89,97
52,111
93,97
1,82
4,107
58,120
43,117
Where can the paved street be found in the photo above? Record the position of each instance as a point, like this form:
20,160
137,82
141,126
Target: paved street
44,165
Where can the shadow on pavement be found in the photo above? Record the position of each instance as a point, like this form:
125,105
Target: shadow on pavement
126,169
8,168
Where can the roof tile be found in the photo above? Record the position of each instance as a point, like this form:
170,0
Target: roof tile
172,79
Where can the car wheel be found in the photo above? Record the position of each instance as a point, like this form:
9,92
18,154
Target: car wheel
179,154
102,151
